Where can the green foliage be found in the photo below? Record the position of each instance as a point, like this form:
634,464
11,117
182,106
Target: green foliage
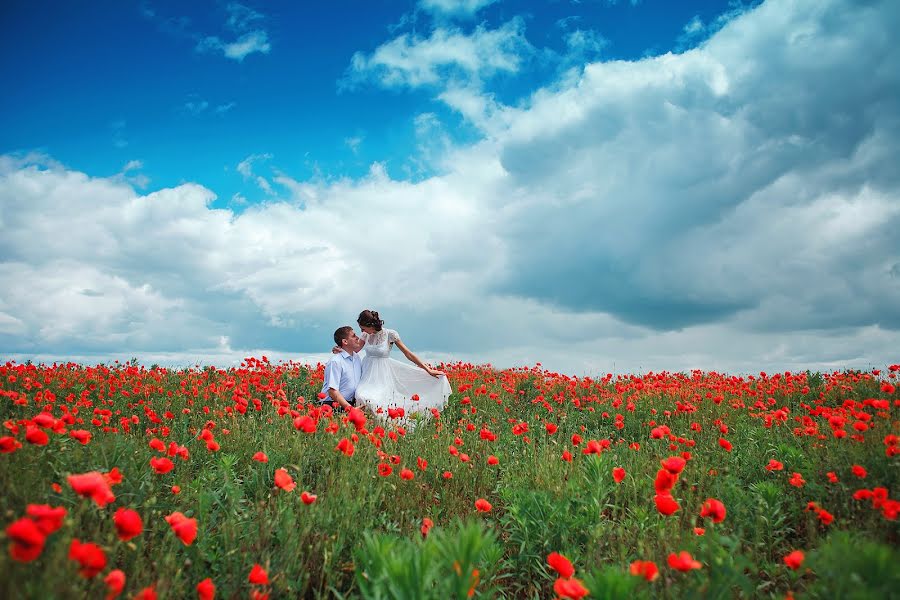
456,563
847,565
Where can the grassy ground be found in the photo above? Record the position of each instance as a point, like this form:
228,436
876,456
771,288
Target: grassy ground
363,534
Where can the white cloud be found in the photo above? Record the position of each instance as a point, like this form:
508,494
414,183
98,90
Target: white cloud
463,8
411,61
224,108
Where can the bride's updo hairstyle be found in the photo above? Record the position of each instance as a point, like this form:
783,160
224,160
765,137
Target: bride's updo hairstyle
369,318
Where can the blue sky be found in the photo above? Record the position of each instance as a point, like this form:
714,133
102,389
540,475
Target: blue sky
111,82
596,185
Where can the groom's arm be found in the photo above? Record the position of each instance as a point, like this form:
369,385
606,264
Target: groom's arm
336,396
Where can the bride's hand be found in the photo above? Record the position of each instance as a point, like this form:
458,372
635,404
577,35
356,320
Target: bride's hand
434,372
335,350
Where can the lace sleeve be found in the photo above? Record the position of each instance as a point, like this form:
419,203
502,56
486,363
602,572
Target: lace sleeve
393,336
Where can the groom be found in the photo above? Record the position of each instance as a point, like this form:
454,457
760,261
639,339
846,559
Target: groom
343,371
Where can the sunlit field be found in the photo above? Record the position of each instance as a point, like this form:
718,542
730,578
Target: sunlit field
198,483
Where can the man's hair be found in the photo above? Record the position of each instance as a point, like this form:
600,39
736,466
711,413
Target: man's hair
342,334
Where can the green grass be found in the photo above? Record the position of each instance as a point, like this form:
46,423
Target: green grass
362,538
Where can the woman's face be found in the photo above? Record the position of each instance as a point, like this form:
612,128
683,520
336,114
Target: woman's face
369,330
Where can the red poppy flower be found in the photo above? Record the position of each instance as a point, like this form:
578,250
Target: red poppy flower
346,446
27,540
673,464
567,456
259,457
185,528
618,474
47,519
714,509
832,476
421,463
385,469
447,475
666,504
774,465
284,480
307,498
570,588
551,428
683,561
492,460
148,593
114,477
305,424
90,557
161,465
406,474
258,576
797,480
664,482
644,568
206,590
128,523
794,559
94,486
859,471
560,564
115,583
427,524
176,489
82,436
9,444
482,505
699,531
725,444
36,436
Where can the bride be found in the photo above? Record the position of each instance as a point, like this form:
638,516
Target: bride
388,383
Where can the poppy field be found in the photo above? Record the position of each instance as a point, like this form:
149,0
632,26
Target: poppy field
143,482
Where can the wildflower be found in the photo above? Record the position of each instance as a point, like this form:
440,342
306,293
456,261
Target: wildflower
406,474
27,540
307,498
492,460
859,471
560,564
185,528
683,561
567,456
725,444
258,575
774,465
570,588
664,482
666,504
206,590
714,509
797,480
644,568
284,480
94,486
90,557
618,474
427,524
673,464
161,465
794,559
261,457
385,469
128,524
47,518
483,505
115,583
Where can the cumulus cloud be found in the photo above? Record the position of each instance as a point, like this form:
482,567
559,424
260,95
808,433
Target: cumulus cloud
733,206
464,8
410,60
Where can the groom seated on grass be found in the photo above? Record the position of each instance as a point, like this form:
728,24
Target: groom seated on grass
343,371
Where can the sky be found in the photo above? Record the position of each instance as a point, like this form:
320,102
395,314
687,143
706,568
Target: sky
595,185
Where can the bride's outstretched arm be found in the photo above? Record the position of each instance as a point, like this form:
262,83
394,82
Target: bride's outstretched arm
415,360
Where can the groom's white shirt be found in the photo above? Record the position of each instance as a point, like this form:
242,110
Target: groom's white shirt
342,373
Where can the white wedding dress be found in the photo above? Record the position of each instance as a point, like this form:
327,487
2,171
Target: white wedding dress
387,383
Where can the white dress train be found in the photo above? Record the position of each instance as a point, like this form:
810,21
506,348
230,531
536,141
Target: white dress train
388,383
